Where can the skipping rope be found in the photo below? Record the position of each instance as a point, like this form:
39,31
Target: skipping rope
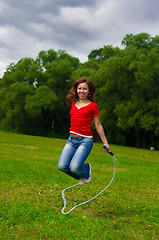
63,196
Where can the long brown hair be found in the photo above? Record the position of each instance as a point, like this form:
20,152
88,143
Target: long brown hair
72,95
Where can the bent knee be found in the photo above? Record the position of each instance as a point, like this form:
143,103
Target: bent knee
74,168
62,167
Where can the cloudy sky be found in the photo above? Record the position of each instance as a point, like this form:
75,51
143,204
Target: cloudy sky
77,26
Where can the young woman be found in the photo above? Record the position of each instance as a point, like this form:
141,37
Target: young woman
80,142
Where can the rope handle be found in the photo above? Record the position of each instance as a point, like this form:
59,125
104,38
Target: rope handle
108,151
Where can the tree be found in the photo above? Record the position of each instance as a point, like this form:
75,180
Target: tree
87,69
13,114
104,53
41,106
96,54
50,72
138,41
140,112
112,82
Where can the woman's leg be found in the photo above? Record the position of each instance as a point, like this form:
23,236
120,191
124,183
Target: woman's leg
77,165
66,157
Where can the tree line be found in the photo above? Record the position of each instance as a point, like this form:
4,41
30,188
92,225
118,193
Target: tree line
33,91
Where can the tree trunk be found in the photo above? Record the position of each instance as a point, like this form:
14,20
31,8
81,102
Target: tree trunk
144,139
152,138
138,141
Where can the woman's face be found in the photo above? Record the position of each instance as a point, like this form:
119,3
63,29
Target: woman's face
83,91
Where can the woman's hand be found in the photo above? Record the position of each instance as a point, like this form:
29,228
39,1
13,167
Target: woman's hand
107,146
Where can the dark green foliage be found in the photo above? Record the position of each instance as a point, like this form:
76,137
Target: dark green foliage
33,92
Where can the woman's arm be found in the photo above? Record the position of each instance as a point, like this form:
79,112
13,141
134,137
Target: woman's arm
100,131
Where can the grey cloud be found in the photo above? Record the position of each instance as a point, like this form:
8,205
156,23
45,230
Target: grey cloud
77,26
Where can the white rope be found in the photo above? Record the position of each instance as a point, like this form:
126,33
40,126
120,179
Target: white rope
64,199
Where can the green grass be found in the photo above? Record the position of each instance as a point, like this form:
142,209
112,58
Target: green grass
31,187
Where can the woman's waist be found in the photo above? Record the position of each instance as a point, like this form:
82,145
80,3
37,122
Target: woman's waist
75,134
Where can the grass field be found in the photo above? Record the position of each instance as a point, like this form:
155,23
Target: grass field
31,187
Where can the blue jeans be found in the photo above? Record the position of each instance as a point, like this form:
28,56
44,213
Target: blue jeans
74,155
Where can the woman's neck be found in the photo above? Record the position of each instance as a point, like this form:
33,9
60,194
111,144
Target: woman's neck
83,101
